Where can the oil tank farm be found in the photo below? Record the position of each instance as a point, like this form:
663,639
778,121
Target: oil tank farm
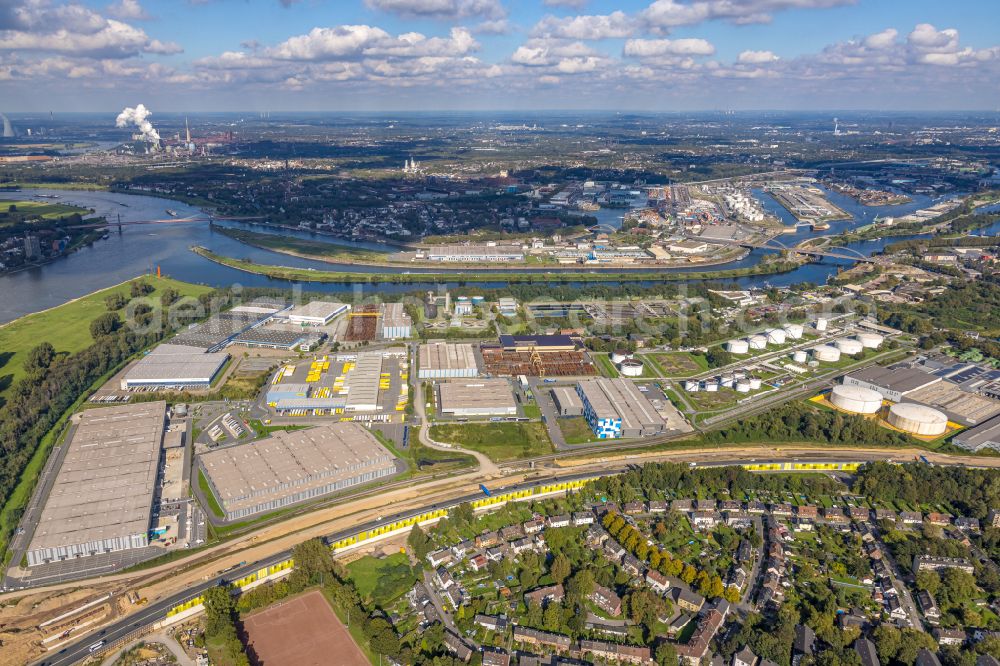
869,340
630,367
758,341
917,419
775,336
794,331
738,346
856,399
849,346
826,353
619,355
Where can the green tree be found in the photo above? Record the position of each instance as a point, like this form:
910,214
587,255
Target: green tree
929,581
169,296
887,641
418,542
552,617
115,302
104,324
39,358
666,654
580,585
561,568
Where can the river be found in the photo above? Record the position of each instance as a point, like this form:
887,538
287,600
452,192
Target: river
141,249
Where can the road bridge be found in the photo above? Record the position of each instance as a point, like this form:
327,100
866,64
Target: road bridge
845,253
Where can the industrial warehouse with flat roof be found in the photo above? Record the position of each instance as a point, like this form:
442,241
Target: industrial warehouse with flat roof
479,397
291,467
442,360
175,366
102,497
615,408
316,313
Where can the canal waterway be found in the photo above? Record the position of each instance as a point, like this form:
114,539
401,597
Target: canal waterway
141,249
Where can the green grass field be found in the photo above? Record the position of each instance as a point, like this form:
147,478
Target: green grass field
604,364
206,490
382,581
36,209
576,430
66,327
500,441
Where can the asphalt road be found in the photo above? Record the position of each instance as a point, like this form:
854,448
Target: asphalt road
156,611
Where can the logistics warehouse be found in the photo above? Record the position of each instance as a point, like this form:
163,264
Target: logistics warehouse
102,498
291,467
175,366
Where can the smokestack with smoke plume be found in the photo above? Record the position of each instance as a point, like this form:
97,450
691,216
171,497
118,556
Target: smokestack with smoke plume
138,117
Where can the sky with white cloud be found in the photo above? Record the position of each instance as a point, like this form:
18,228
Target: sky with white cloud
393,55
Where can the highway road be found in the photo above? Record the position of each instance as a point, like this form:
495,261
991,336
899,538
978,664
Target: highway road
157,610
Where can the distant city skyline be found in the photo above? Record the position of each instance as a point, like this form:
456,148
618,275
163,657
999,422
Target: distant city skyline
399,55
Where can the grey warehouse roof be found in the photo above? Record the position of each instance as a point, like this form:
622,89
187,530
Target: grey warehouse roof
104,488
289,463
177,364
902,380
447,356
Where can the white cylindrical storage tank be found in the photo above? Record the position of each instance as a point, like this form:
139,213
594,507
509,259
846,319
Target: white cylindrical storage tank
848,346
743,386
692,385
739,374
727,381
738,346
917,419
800,356
856,399
794,331
776,336
754,383
618,356
757,341
711,386
826,353
821,324
631,368
869,340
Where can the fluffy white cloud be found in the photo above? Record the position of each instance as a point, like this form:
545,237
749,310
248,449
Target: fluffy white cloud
881,40
441,9
592,27
652,48
329,43
540,52
129,10
558,57
113,40
352,41
38,25
924,45
664,15
757,57
494,27
928,38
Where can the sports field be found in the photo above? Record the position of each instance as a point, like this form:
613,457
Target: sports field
303,631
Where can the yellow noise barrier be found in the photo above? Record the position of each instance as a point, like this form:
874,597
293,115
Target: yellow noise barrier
564,486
